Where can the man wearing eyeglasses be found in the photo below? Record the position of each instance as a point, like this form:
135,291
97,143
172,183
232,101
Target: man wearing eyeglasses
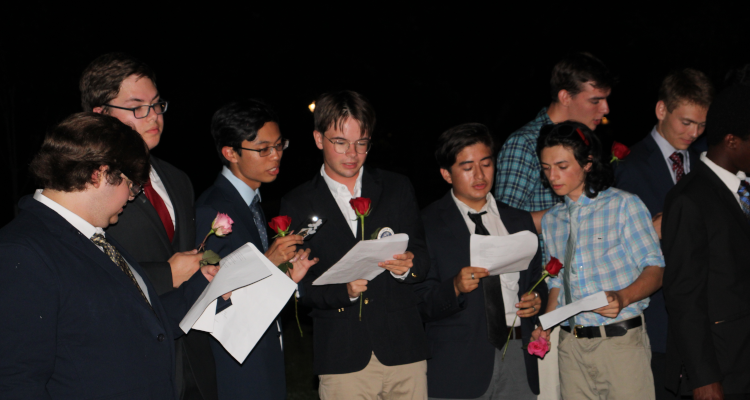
247,137
158,228
381,350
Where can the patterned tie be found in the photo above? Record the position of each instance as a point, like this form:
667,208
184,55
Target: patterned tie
260,221
570,252
497,328
160,207
679,171
744,192
115,256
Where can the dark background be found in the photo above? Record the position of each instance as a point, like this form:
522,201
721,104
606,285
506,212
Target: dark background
425,69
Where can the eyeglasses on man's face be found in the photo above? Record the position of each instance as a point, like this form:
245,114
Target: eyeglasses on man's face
341,146
134,188
160,107
266,151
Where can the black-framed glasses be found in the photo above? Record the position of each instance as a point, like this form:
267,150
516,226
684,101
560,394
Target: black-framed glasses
135,189
160,107
266,151
341,146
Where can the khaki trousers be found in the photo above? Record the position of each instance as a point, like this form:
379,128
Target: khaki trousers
377,382
606,368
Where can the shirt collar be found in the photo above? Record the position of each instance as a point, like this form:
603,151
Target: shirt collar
731,180
490,206
339,189
544,116
246,192
79,223
583,200
666,148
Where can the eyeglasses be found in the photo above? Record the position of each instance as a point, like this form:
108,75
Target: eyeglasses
266,151
140,112
341,146
135,189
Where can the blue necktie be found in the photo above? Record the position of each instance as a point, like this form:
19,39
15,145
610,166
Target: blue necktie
260,221
744,192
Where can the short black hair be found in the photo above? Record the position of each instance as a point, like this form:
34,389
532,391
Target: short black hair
729,113
568,134
574,70
455,139
101,80
333,109
83,143
239,121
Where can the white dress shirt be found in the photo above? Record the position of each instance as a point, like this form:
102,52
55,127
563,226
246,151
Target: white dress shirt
731,180
667,150
158,186
86,230
493,223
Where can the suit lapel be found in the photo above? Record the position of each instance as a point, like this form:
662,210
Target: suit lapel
242,212
371,189
326,207
726,195
658,165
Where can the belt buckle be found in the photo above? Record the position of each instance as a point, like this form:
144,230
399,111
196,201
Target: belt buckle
575,330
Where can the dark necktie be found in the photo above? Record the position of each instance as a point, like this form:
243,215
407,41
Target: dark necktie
497,328
677,167
160,207
260,221
744,192
116,258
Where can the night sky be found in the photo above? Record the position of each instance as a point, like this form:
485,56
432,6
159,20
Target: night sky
425,69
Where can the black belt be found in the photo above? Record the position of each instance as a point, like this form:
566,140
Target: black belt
616,329
516,332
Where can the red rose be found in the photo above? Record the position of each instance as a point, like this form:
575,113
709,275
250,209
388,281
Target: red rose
361,206
619,151
553,267
280,224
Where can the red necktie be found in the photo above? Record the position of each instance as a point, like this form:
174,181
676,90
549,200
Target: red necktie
160,207
677,165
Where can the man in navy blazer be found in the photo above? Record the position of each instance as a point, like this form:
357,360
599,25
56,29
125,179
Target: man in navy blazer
466,363
247,137
654,166
80,317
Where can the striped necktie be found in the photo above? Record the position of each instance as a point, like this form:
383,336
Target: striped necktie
116,258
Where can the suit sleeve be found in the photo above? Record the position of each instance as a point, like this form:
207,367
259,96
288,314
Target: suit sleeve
178,302
29,302
685,290
437,295
160,275
324,297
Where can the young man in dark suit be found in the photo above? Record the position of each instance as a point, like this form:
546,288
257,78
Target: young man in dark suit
706,236
247,137
654,166
384,353
80,317
459,302
158,228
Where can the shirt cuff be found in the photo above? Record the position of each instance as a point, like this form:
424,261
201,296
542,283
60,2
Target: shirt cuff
401,277
353,299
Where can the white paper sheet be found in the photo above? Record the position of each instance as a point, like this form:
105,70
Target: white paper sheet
256,302
361,262
503,254
588,303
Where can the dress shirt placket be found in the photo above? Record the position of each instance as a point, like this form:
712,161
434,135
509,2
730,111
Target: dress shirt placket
570,251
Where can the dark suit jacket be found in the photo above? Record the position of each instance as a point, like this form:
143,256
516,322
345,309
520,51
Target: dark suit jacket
261,376
74,325
706,237
390,324
142,234
645,173
462,357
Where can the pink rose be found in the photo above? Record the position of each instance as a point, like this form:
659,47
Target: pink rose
222,225
539,347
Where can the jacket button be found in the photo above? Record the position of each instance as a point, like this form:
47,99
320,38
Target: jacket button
413,275
160,337
367,301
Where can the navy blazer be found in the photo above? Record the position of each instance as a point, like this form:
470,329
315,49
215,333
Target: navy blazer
462,357
644,172
706,279
261,375
390,325
74,325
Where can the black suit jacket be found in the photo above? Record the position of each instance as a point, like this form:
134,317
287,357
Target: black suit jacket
390,326
261,375
142,234
462,357
706,237
645,173
74,325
